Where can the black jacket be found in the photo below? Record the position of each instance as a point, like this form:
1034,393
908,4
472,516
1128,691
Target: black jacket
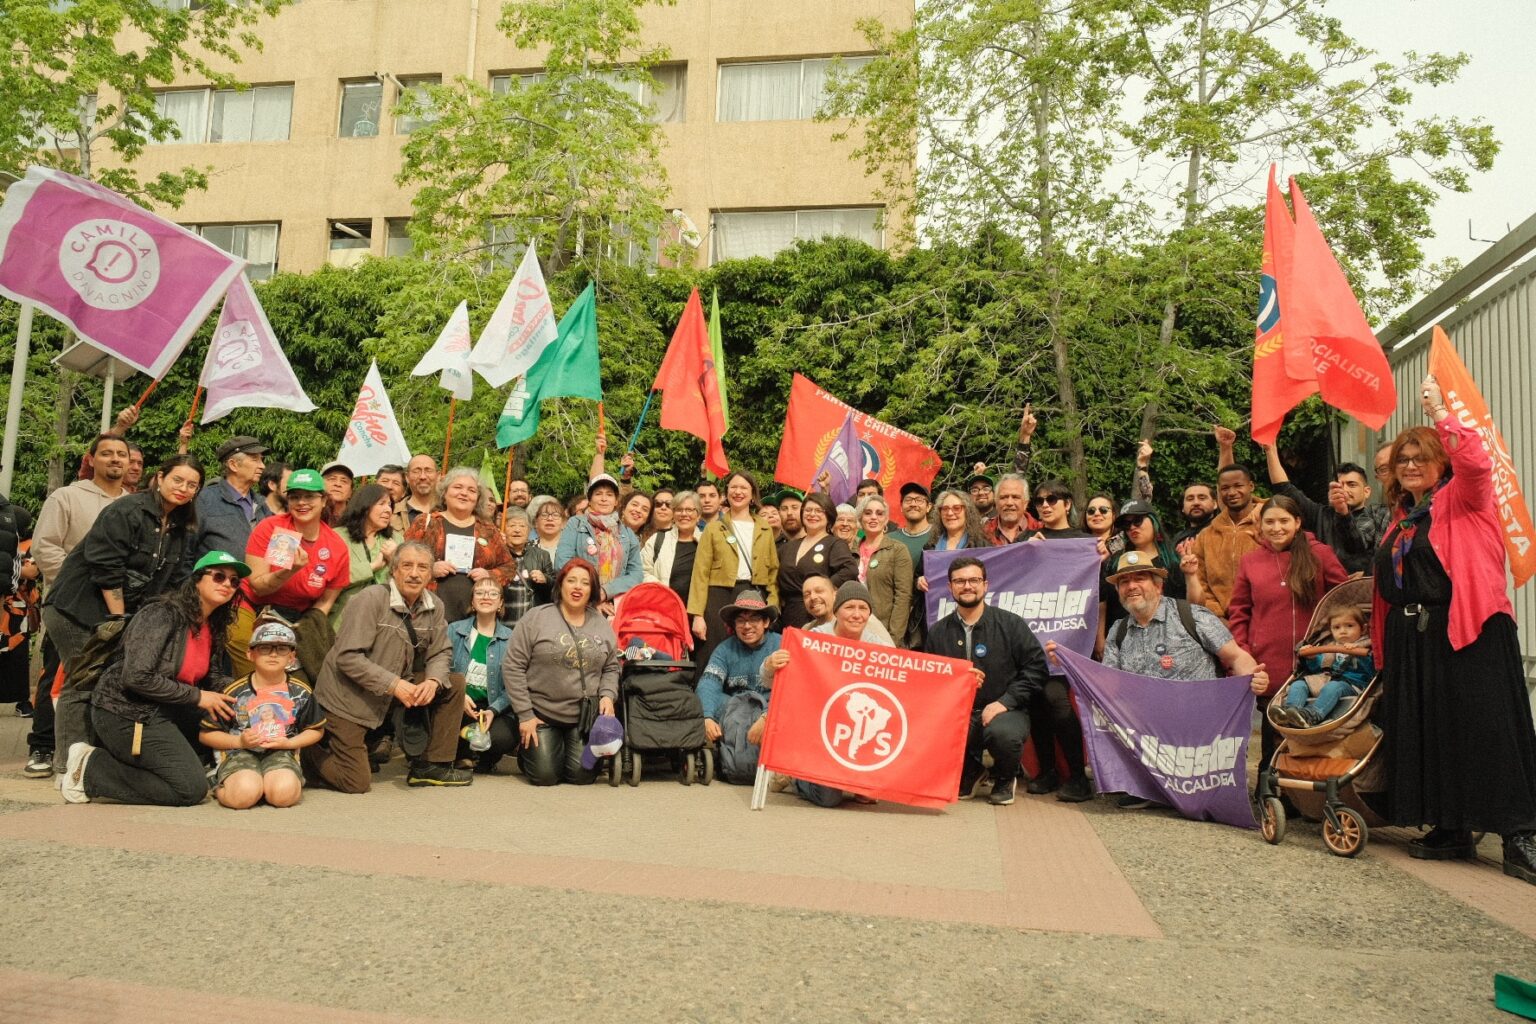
15,527
125,549
142,679
1353,536
1014,661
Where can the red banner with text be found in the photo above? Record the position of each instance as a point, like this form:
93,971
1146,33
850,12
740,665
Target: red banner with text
811,425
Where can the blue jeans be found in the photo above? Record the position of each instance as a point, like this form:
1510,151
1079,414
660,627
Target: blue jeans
821,796
1333,691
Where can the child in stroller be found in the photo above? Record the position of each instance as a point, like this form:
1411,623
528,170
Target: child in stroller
1339,670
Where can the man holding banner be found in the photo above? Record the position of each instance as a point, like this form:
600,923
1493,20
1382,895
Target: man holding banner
1011,667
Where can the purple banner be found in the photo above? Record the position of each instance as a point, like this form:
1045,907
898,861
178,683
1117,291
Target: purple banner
1177,742
1052,584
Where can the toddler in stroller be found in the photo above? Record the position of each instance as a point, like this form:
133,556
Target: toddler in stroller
1338,670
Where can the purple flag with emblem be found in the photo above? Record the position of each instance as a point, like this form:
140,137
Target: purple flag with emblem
128,282
844,463
1177,742
1052,584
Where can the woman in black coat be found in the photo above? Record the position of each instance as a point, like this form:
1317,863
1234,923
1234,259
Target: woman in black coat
817,553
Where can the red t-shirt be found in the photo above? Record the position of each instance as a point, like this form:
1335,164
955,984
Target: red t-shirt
329,568
199,652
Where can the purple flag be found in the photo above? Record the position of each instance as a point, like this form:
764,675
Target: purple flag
844,461
1177,742
245,367
128,282
1052,584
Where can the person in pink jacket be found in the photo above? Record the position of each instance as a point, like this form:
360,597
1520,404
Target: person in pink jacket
1460,749
1278,586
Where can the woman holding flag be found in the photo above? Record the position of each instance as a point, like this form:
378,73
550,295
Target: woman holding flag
1460,748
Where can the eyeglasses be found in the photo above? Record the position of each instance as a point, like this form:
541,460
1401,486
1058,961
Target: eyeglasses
549,513
261,650
1099,510
685,510
952,507
302,497
1049,499
1413,460
222,578
968,581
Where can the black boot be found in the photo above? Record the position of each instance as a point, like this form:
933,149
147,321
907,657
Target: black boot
1520,856
1443,844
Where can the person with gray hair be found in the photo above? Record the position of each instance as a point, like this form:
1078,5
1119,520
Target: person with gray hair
885,567
532,572
547,517
392,649
465,542
1013,522
667,557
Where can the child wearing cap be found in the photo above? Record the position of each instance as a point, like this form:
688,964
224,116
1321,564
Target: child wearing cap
275,716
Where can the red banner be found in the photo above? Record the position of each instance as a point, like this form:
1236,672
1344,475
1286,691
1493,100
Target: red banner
1275,391
891,455
874,720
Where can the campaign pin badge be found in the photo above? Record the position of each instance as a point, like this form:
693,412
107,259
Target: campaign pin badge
818,559
981,650
731,540
1166,661
481,541
591,548
818,547
874,563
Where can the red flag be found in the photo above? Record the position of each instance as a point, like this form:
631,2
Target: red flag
811,426
873,720
690,399
1321,310
1275,391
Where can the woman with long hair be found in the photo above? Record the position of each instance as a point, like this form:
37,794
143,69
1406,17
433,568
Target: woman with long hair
959,526
479,644
1459,751
1138,527
366,525
466,545
150,699
815,553
736,553
1278,586
885,566
635,513
1099,522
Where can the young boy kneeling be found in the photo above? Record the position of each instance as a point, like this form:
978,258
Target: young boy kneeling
275,716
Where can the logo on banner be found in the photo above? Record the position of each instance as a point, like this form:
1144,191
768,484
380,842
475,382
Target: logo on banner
1180,769
237,349
863,727
110,264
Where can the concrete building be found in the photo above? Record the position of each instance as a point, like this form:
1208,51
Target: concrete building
304,164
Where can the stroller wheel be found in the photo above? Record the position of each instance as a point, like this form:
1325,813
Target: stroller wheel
709,766
686,775
1351,835
615,768
1272,820
634,770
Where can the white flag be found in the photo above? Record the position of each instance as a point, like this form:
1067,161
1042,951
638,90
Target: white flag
522,327
373,438
245,367
450,354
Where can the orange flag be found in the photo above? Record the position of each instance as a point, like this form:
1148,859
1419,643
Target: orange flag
690,389
1275,392
1466,403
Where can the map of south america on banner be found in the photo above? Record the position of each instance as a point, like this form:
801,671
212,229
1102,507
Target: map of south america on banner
1052,584
873,720
1182,743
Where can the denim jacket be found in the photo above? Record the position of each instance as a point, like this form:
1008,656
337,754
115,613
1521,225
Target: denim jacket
461,635
574,542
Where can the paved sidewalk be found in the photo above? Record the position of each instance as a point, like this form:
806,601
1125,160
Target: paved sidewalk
666,903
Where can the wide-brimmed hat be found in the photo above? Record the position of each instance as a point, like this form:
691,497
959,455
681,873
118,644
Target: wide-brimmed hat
748,601
1132,562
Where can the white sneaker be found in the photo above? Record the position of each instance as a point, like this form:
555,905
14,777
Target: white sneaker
72,781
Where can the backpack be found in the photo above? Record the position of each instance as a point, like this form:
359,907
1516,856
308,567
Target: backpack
738,758
83,671
1186,618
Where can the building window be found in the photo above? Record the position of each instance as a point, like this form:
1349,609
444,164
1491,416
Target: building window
398,241
254,243
784,90
417,87
351,242
741,235
666,98
260,114
361,103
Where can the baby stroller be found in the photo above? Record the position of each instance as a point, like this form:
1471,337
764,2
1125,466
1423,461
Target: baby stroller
1328,768
663,719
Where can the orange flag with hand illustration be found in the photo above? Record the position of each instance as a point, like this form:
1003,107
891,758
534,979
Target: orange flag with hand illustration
1465,402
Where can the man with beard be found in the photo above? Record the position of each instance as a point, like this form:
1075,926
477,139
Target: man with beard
789,502
1232,534
916,527
821,598
1012,523
1010,669
421,478
1199,509
519,494
980,488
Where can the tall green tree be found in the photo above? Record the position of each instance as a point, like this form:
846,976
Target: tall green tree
569,158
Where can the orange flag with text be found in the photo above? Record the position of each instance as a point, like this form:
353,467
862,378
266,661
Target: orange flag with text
1465,402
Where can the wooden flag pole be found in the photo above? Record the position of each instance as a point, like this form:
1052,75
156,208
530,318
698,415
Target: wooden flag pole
197,397
506,489
147,392
453,401
602,425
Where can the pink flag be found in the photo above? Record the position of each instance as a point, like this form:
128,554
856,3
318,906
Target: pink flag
373,438
245,367
128,282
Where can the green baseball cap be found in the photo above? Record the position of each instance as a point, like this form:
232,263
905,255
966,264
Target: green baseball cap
785,494
306,480
222,560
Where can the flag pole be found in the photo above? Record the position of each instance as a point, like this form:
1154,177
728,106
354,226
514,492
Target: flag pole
506,489
453,401
197,396
602,424
13,405
633,438
147,392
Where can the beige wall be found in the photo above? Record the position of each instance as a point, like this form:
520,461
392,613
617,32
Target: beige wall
316,177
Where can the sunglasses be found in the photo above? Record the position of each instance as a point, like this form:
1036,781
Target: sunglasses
1099,510
1049,499
221,577
663,504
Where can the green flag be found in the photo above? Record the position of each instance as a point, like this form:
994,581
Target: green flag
717,353
488,476
567,369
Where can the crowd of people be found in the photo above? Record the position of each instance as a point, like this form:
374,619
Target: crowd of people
279,626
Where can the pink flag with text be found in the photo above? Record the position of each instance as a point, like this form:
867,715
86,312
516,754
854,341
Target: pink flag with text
128,282
245,367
